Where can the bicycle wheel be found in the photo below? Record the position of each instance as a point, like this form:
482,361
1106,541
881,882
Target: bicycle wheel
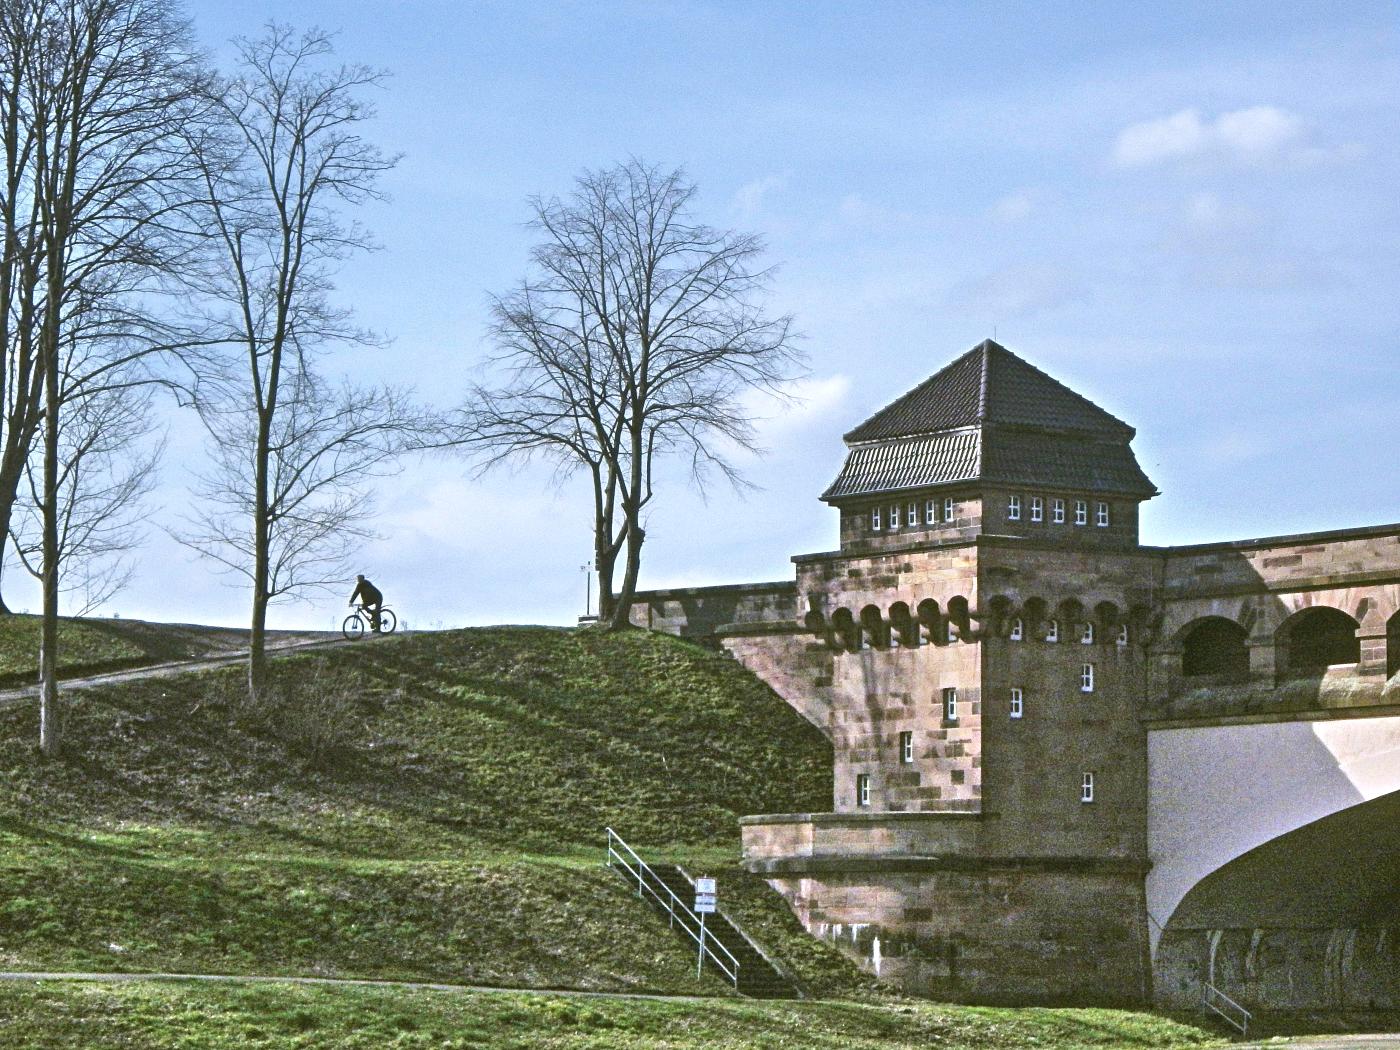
353,627
387,621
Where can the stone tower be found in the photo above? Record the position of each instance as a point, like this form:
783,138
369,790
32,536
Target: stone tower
980,665
1068,767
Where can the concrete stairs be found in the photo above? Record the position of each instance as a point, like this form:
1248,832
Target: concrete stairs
758,977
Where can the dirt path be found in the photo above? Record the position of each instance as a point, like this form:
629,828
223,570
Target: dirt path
176,667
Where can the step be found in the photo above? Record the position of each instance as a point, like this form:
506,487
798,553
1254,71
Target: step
758,978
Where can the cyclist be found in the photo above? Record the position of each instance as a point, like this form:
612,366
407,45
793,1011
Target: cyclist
367,594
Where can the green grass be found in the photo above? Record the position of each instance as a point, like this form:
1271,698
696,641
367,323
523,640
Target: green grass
82,646
454,833
155,1016
430,808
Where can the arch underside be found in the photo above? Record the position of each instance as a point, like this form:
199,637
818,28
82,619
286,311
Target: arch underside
1308,920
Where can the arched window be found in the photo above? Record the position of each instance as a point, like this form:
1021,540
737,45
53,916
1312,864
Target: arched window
1214,645
1318,638
1392,646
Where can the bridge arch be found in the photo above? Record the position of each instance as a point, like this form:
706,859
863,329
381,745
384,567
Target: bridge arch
1214,645
1316,638
1392,646
1307,920
1216,792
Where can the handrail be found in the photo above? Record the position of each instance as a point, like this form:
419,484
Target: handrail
678,911
1209,997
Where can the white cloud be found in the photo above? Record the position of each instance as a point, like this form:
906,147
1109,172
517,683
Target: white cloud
1017,291
803,402
749,198
1015,206
855,210
1253,134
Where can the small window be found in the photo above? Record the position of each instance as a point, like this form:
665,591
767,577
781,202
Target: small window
1086,678
1101,516
1013,509
1081,512
950,705
948,509
1086,788
875,520
1052,631
1037,508
1018,629
931,512
1123,635
1018,705
906,747
1088,636
862,789
1057,510
894,515
911,514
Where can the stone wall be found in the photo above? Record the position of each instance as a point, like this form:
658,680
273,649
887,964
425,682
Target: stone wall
699,612
986,933
1290,968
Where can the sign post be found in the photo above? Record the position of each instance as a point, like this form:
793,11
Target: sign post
704,905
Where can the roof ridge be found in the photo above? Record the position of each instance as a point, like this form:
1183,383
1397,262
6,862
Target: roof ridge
986,347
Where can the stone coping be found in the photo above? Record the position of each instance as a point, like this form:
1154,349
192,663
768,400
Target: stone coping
1361,532
841,864
1316,714
890,817
770,586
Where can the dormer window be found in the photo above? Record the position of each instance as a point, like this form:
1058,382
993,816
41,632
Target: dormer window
1013,509
1057,512
1052,631
875,519
1101,516
1037,508
931,512
1081,512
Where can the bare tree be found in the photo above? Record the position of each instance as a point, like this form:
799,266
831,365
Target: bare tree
94,92
106,467
284,495
635,339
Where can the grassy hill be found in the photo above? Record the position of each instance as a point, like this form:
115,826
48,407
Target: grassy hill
93,646
425,808
428,807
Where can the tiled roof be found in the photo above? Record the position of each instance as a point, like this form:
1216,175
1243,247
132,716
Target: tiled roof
989,384
916,463
1047,461
1062,461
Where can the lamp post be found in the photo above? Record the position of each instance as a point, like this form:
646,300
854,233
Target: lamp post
587,569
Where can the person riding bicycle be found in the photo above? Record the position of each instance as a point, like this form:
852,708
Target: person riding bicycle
367,594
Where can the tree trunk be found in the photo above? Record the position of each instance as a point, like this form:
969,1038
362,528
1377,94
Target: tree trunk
605,562
622,612
257,650
50,729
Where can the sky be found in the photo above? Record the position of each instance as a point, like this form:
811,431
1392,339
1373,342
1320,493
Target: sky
1188,212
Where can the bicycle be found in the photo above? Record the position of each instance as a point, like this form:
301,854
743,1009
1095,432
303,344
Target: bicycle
359,621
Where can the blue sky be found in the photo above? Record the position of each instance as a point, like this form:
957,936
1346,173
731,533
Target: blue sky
1188,212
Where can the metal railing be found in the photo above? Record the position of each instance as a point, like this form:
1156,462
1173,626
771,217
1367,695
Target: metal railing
1235,1015
679,912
